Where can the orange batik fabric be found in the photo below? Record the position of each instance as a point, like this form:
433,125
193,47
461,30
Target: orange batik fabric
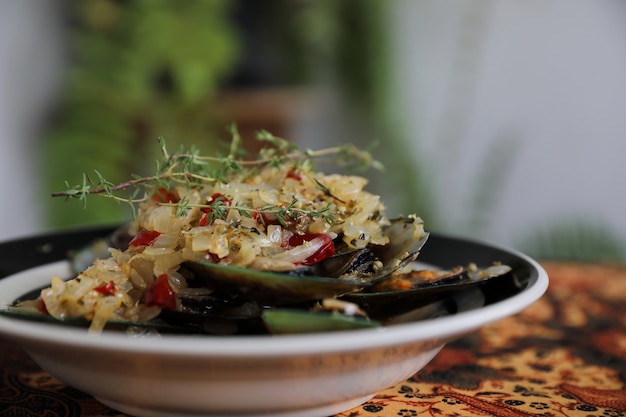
563,356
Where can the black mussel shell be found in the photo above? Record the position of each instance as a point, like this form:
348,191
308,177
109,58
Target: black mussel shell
387,303
160,326
352,263
270,287
417,279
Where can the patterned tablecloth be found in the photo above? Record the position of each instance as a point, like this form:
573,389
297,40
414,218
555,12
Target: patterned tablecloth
563,356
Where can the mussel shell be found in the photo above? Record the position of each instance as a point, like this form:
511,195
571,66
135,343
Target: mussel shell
421,278
354,262
215,317
271,287
210,306
157,325
288,321
406,239
383,305
374,262
213,324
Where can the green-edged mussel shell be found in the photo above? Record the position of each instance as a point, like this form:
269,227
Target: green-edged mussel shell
116,325
291,321
383,305
406,239
272,287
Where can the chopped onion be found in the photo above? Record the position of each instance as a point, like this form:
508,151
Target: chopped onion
302,252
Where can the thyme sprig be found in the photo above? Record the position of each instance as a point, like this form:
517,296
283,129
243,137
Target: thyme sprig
189,168
284,214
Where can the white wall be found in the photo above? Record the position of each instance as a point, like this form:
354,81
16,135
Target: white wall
30,57
548,77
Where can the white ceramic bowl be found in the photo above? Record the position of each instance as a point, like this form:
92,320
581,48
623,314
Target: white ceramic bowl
301,375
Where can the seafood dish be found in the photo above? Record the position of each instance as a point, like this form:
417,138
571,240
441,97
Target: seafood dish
223,245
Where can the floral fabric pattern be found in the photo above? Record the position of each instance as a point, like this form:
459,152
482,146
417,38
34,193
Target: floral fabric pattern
563,356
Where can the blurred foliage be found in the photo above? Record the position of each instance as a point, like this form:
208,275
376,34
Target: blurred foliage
341,43
142,69
488,181
138,70
574,239
362,55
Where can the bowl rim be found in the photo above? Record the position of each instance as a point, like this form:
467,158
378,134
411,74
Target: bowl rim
437,330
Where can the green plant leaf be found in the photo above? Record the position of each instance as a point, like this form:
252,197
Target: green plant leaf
577,239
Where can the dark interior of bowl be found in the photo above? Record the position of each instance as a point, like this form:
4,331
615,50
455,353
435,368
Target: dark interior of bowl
446,252
21,254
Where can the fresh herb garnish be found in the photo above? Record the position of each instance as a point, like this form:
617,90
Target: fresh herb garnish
189,168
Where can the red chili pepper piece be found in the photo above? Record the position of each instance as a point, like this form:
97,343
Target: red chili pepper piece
144,238
263,218
295,174
204,219
325,251
106,289
41,306
219,196
163,195
160,294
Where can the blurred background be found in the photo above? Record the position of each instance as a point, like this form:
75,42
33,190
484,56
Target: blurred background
496,120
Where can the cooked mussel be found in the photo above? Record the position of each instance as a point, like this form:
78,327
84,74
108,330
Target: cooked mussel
344,273
419,279
406,239
348,262
141,328
355,288
271,287
328,315
403,292
291,321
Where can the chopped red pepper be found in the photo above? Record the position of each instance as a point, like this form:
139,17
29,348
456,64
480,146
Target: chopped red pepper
325,251
106,289
263,218
295,174
144,238
160,294
214,257
215,197
41,306
163,195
